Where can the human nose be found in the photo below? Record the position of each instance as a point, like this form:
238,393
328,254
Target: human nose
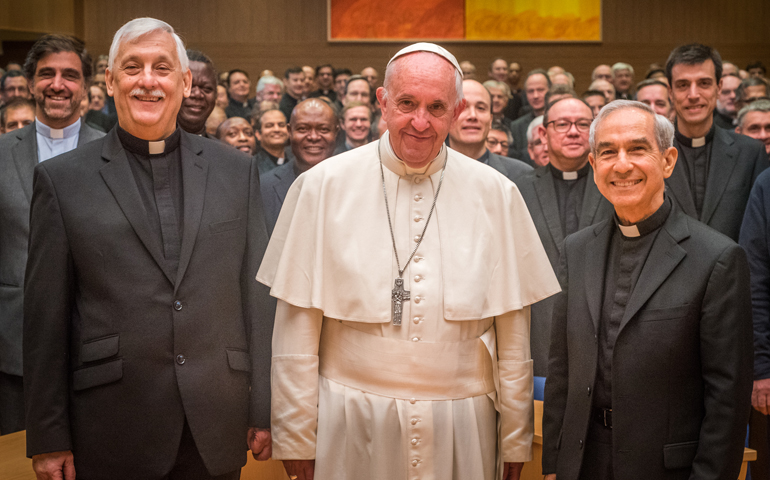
57,83
420,120
147,77
623,163
692,91
196,92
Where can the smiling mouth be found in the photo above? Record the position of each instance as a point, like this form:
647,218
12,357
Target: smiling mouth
626,183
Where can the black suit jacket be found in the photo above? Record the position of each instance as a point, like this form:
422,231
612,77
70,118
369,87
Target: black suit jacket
538,190
117,350
519,131
18,158
510,167
681,365
736,162
275,186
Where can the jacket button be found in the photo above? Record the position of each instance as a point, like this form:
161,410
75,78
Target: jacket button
589,391
177,305
581,444
180,359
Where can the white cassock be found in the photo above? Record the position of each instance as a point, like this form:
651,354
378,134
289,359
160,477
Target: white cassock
446,395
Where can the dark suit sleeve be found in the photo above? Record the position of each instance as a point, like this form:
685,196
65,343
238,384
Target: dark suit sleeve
259,307
726,360
555,400
761,162
754,240
48,300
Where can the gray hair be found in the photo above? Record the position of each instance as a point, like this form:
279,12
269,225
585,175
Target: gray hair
755,106
140,27
532,128
663,128
497,84
268,80
392,69
622,66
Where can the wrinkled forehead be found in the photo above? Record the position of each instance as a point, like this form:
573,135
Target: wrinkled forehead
158,45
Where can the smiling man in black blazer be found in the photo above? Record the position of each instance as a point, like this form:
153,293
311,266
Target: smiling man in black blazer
650,368
146,336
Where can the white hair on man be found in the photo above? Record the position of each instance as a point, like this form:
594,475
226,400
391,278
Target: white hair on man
140,27
622,66
532,128
268,80
664,129
393,66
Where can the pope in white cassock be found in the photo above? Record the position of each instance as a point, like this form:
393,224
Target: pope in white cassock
404,272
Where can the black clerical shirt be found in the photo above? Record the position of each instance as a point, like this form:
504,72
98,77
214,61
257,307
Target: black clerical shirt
696,157
158,177
626,258
570,188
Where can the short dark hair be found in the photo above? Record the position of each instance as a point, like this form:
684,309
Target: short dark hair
548,107
354,105
342,71
198,56
559,89
291,70
539,71
13,104
235,70
55,43
501,127
257,118
758,65
9,74
325,65
740,92
592,93
353,78
693,54
649,82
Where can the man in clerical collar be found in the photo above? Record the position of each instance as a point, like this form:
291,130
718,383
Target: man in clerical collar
536,88
198,106
271,130
355,122
623,80
562,199
238,88
656,95
356,310
57,70
650,366
469,133
294,81
146,344
716,167
312,132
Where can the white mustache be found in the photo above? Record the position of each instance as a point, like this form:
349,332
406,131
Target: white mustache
143,92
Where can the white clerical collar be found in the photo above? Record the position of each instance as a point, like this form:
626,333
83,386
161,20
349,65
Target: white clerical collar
157,147
391,161
629,231
57,133
569,175
698,142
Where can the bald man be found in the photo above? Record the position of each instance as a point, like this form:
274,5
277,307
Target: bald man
312,133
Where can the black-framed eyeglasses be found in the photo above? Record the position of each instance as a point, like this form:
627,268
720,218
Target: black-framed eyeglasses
563,126
493,142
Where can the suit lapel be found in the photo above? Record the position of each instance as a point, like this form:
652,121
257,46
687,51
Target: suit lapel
596,265
591,200
119,178
286,177
546,194
664,256
194,175
679,187
24,154
721,166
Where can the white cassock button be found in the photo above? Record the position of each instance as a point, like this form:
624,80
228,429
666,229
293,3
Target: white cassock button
418,180
414,421
415,339
414,441
417,197
417,278
417,218
412,401
417,259
417,299
416,238
416,320
414,463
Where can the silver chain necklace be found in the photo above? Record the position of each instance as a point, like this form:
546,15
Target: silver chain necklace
398,295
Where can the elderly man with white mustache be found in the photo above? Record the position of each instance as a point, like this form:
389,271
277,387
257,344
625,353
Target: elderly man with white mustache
146,338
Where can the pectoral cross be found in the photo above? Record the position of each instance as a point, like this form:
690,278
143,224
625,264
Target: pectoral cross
398,297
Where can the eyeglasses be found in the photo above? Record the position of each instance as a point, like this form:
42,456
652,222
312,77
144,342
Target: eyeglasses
493,142
563,126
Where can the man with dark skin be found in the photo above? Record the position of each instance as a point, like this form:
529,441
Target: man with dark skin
198,106
312,132
237,132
